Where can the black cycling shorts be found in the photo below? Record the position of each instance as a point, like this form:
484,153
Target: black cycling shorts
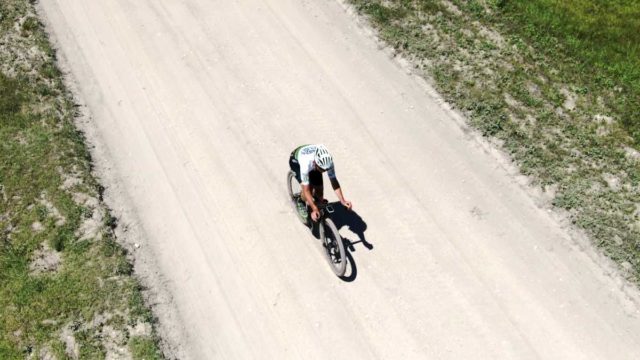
315,177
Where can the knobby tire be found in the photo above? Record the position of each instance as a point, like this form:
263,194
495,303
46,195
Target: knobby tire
338,260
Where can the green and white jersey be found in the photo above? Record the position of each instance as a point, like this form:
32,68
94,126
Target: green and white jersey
305,155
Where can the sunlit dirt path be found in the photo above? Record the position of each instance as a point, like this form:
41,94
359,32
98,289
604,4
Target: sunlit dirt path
199,104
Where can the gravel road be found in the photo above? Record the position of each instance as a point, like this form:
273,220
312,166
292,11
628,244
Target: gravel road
197,105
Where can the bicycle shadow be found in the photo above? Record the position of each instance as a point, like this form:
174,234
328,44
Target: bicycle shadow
350,219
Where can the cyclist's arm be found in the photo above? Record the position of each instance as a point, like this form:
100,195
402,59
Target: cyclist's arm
336,187
306,190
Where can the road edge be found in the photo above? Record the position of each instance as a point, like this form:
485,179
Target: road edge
129,232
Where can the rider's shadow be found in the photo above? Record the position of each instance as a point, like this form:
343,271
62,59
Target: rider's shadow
349,219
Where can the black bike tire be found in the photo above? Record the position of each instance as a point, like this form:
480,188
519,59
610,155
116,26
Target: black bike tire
338,269
291,176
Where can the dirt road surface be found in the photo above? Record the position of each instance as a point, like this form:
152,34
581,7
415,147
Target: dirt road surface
198,104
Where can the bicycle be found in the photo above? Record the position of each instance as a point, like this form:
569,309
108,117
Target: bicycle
331,240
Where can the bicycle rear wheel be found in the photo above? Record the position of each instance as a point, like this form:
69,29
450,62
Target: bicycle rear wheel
333,247
294,189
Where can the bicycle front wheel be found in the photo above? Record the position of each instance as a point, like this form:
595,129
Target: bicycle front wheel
333,247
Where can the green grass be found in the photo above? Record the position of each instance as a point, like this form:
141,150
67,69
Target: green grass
601,39
144,348
555,83
40,148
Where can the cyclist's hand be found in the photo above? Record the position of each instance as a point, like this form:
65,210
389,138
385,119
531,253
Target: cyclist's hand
315,215
347,204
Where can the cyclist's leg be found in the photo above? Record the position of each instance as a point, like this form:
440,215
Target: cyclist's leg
295,167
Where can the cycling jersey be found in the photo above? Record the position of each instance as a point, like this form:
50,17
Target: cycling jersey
305,156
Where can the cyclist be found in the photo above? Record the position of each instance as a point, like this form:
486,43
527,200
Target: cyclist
309,162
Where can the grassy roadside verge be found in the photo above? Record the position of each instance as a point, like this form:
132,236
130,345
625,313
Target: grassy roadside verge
66,286
561,97
601,39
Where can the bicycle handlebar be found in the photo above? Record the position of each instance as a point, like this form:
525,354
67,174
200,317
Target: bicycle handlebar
328,206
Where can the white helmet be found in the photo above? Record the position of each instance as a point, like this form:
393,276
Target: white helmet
323,158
